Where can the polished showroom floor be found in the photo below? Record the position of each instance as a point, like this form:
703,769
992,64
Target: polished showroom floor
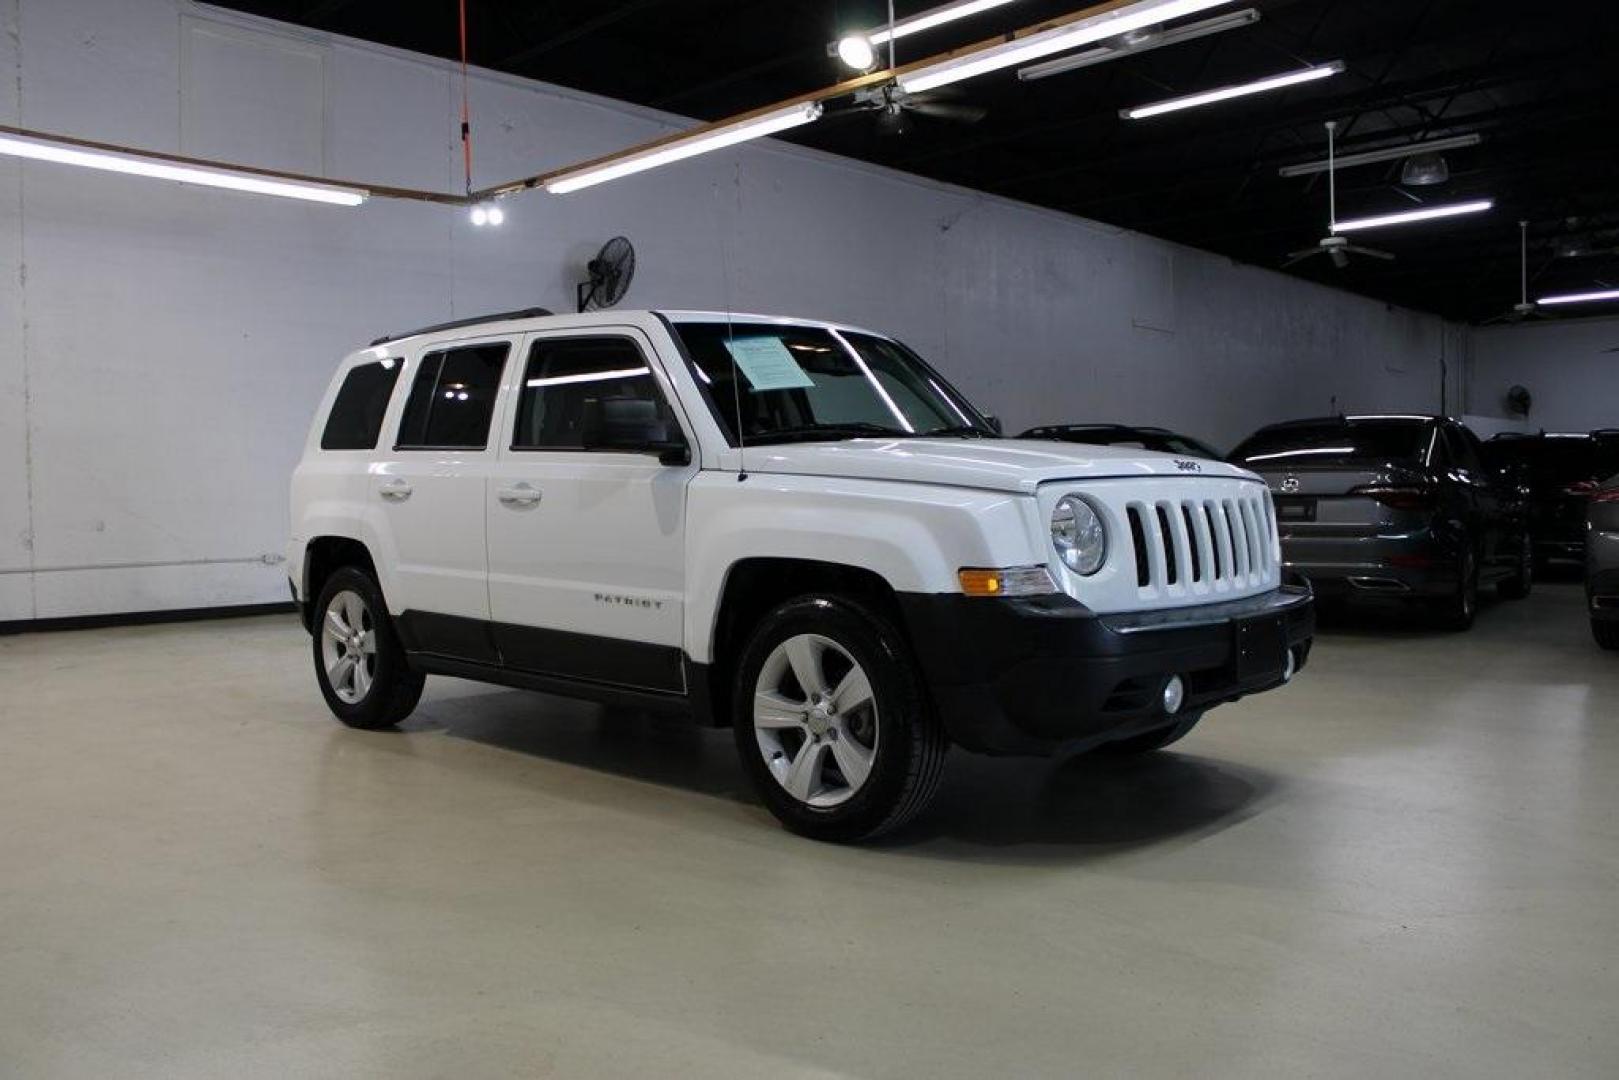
1406,864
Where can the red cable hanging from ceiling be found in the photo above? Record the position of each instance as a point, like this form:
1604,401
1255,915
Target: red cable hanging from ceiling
466,108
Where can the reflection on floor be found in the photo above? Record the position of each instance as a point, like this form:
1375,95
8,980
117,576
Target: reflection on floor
1405,862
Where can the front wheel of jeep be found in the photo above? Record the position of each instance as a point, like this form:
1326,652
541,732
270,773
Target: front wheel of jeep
832,721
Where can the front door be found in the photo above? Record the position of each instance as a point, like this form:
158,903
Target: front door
587,546
429,493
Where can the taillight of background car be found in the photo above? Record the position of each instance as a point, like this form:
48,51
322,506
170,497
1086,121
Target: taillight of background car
1399,496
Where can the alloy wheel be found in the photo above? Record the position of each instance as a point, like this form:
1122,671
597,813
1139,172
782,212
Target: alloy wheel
815,720
349,647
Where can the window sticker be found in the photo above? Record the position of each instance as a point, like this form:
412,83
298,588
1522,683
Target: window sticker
767,363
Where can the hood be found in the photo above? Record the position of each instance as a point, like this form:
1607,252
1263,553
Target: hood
1020,465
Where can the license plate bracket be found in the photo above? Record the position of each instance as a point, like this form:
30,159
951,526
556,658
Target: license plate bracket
1260,650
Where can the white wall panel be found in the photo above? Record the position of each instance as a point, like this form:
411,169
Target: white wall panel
176,339
1571,368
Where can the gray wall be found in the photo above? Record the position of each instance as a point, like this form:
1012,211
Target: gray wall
1571,368
161,347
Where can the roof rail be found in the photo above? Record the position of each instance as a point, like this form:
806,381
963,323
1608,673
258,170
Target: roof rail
457,324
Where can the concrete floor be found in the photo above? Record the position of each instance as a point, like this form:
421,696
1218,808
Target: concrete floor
1405,864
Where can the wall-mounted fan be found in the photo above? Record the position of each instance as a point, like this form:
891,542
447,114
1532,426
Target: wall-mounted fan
610,274
1335,247
1519,401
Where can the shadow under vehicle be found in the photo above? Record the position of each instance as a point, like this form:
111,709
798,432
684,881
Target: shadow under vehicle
1157,439
1394,506
1562,470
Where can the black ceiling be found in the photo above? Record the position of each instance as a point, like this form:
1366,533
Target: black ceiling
1540,82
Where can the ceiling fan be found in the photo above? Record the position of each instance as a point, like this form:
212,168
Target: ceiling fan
1335,247
1525,308
895,107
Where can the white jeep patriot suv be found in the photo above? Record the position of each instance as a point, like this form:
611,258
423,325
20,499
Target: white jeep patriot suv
794,528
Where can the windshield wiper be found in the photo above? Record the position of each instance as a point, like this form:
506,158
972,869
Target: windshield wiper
965,431
828,432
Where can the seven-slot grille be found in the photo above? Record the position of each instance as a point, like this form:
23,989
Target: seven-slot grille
1201,545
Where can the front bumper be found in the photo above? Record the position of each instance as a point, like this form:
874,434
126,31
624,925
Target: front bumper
1047,675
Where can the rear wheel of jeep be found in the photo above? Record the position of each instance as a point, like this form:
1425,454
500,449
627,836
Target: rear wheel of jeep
832,722
359,662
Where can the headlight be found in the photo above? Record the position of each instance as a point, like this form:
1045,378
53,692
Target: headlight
1078,535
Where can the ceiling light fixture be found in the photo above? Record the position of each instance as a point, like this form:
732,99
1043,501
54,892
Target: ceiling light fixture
682,146
1581,298
1037,43
1408,217
857,51
1425,170
1393,153
158,167
1226,93
1114,50
487,213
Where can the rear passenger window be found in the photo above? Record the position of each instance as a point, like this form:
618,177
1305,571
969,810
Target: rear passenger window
356,417
453,398
564,374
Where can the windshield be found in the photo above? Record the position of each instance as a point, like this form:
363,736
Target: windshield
1292,446
800,383
1556,460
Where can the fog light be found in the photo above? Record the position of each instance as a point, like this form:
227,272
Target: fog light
1174,695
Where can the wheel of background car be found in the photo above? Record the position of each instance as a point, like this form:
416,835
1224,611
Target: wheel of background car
359,663
1522,580
1606,633
832,722
1154,740
1457,611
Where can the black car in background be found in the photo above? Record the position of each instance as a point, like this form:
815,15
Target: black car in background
1602,563
1160,439
1394,506
1562,471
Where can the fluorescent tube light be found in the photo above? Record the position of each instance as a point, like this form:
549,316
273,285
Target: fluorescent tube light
1100,55
1393,153
157,168
927,20
682,147
1428,213
1581,298
1226,93
1084,31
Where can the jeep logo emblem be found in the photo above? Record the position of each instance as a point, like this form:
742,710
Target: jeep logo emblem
1290,485
1187,466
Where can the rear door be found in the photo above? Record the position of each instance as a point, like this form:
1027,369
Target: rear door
430,493
1485,506
587,546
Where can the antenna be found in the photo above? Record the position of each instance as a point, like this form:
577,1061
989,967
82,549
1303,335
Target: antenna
890,35
730,331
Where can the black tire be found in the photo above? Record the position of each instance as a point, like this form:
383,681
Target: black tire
1154,740
1457,611
394,687
909,742
1522,580
1606,632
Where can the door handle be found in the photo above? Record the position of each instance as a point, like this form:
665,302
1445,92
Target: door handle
520,494
396,490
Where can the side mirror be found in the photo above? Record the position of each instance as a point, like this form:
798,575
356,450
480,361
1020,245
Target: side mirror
996,425
632,425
